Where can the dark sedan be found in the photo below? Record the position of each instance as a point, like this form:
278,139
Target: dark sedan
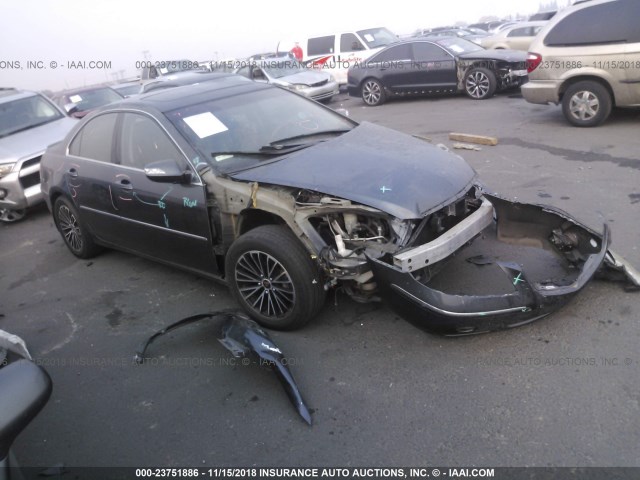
436,66
284,200
77,103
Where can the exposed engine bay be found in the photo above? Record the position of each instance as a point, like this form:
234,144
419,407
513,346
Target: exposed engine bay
479,257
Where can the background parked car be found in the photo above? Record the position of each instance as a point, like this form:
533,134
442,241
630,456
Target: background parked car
457,32
336,52
79,102
548,15
435,66
315,84
29,122
191,78
515,37
163,68
487,26
127,89
588,59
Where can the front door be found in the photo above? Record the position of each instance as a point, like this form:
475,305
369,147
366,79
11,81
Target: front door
167,221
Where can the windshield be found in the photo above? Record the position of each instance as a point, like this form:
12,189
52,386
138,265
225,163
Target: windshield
458,45
282,69
128,89
377,37
90,99
239,132
25,113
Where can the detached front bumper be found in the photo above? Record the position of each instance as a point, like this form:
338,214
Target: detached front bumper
521,266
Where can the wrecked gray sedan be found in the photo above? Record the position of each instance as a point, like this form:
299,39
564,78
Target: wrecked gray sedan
284,200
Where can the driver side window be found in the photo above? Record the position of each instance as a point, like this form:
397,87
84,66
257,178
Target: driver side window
143,141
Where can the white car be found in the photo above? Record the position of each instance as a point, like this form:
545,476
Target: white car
514,37
288,73
335,53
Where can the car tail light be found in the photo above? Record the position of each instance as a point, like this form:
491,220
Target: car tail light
533,60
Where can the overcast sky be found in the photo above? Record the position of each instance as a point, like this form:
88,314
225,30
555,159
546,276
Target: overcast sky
120,31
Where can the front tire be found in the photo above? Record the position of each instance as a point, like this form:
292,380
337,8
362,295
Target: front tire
273,278
74,233
480,83
373,92
586,104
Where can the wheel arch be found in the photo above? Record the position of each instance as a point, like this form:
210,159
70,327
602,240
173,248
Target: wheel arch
251,218
582,78
55,194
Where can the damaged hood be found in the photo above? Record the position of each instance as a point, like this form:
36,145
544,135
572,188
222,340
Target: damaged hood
375,166
513,56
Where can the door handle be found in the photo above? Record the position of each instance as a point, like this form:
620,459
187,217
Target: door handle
73,172
125,184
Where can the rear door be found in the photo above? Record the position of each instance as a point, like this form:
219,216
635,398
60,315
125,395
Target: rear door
88,172
167,221
433,67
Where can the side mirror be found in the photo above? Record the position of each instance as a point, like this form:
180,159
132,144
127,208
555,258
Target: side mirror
71,108
166,171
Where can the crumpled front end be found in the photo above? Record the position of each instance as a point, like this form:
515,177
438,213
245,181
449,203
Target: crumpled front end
504,265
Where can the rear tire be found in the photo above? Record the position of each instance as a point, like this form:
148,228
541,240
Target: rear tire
586,104
74,233
273,278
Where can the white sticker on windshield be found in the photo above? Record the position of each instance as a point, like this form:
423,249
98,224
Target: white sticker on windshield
75,98
456,48
368,37
222,158
205,124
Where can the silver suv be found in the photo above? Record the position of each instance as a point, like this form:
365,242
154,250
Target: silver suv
588,59
29,123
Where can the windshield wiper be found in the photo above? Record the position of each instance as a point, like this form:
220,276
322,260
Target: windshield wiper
279,143
269,150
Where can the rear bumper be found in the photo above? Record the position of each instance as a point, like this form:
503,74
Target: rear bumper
522,298
541,91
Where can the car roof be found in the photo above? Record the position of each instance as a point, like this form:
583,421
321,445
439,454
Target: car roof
429,38
168,99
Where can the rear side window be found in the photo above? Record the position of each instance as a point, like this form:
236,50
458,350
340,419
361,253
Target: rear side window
399,52
523,32
95,140
612,22
425,52
320,45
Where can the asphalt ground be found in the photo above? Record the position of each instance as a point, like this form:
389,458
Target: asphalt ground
563,391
